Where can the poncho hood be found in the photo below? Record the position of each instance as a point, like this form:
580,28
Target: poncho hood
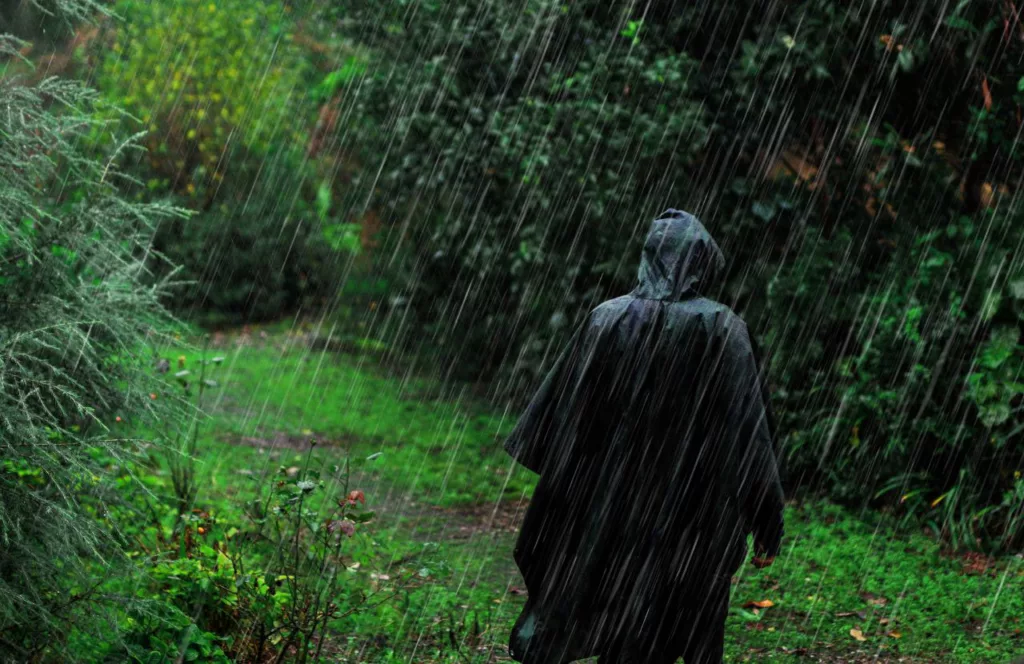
680,259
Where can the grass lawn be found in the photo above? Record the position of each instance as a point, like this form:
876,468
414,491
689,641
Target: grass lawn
847,588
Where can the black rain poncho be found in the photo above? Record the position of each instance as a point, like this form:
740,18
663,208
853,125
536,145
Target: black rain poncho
653,439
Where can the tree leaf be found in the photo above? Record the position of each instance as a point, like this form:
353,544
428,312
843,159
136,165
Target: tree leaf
762,604
765,211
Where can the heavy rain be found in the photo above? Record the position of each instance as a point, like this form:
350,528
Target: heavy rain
481,331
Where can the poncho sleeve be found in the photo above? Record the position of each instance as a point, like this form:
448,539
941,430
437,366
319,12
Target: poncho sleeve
533,434
748,412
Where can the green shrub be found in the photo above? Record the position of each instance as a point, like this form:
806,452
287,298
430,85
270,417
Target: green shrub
890,275
223,91
523,146
255,259
75,318
267,586
218,85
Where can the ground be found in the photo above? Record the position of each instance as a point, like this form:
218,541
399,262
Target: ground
847,587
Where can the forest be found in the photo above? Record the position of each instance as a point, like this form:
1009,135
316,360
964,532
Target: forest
278,278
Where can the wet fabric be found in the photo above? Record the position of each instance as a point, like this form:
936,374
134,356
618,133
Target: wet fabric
653,438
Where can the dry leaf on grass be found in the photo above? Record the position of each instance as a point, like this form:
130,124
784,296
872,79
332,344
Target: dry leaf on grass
762,604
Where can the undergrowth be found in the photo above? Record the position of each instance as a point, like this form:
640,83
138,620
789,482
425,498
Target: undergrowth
432,571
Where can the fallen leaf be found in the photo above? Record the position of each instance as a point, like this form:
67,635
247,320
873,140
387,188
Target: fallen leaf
763,604
986,93
857,634
883,621
894,635
846,614
874,600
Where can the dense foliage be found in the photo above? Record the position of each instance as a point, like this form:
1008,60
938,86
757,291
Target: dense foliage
859,166
222,91
75,318
857,178
520,156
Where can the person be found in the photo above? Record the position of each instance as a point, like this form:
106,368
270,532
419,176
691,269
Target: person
654,441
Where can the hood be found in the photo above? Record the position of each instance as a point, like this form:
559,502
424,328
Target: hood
680,259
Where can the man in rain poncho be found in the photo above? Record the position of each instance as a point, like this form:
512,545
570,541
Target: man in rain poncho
653,438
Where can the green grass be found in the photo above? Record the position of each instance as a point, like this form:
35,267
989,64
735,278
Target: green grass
441,472
445,449
838,573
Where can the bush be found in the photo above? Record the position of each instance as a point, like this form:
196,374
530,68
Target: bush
223,91
878,232
74,318
528,145
249,591
217,85
255,259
